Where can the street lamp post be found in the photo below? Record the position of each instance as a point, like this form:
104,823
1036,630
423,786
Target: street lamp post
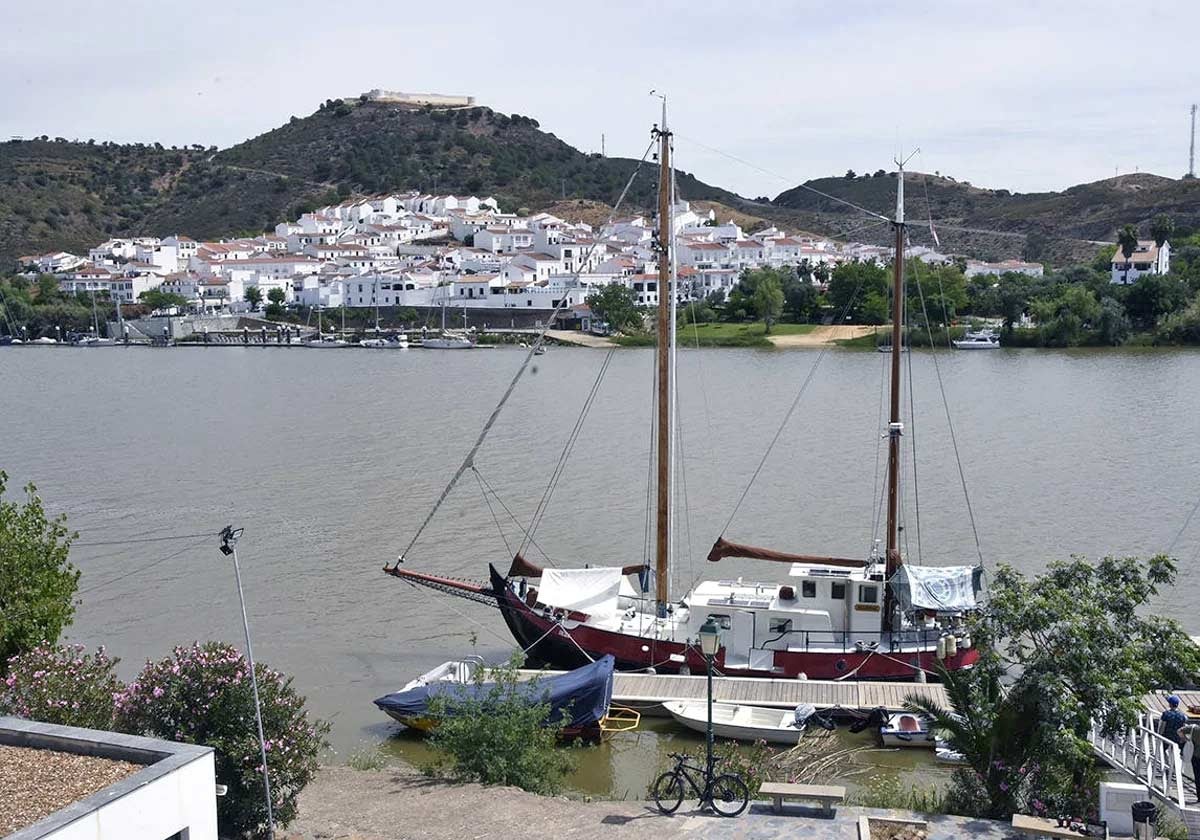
229,539
710,642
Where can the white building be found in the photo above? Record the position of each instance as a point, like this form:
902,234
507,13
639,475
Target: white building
1147,258
171,795
976,268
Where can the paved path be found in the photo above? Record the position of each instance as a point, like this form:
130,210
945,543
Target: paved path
400,804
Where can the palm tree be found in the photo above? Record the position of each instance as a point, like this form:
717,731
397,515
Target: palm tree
1161,228
1127,241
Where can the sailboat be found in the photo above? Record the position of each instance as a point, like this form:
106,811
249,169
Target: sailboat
869,618
394,342
95,340
323,341
447,340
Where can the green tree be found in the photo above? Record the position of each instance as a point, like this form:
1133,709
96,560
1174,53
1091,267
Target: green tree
1162,227
37,581
768,301
1113,325
1103,259
254,296
1074,645
47,289
852,286
158,299
937,291
616,305
498,737
1064,319
1154,295
276,295
801,298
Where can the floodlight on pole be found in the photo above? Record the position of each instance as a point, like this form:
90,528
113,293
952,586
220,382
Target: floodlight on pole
229,540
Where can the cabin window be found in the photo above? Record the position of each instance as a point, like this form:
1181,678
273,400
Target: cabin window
837,590
868,594
722,621
808,589
780,625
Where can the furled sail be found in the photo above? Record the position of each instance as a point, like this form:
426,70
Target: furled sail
722,548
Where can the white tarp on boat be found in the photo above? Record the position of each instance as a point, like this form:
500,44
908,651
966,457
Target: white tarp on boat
941,588
593,591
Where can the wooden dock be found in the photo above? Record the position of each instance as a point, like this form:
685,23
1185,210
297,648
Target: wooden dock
647,692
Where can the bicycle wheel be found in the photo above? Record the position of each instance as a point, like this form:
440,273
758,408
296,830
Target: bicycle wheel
667,791
730,796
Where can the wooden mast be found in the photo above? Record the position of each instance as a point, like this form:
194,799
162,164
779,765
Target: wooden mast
663,432
895,425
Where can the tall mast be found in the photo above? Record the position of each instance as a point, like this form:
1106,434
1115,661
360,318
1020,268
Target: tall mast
892,560
663,439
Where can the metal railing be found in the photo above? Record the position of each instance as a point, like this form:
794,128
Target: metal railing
904,641
1153,760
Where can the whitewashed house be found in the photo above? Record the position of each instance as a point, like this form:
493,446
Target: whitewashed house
1147,258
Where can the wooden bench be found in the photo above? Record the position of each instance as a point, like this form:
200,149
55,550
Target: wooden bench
827,795
1041,827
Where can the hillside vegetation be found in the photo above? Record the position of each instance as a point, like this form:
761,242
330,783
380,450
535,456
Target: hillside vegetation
1057,227
66,195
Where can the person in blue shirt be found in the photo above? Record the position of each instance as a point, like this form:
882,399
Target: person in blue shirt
1171,720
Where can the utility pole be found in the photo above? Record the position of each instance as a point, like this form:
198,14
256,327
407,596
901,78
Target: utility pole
229,539
602,153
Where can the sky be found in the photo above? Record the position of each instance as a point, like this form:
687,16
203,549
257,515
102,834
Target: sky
1027,96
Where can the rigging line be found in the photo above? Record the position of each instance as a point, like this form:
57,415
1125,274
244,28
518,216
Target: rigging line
687,511
1186,522
877,490
492,511
791,410
568,447
142,540
962,476
912,422
784,178
142,568
846,234
511,515
529,356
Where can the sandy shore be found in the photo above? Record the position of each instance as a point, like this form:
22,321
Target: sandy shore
820,336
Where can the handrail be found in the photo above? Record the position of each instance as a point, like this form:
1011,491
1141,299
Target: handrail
1152,759
849,640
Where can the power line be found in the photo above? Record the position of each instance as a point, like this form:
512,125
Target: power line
133,540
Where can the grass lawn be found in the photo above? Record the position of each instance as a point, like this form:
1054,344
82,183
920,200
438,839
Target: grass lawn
721,335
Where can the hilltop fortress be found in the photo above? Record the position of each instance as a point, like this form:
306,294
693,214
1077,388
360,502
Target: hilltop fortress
395,97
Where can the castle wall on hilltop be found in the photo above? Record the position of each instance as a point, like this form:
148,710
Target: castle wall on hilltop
400,98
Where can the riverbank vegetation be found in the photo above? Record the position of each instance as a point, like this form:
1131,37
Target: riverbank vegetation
1059,653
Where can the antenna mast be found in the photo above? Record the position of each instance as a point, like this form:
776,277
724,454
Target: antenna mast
1192,147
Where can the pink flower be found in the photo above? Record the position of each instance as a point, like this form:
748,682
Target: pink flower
158,692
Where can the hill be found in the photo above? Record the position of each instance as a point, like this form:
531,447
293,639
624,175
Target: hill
66,195
1056,227
56,195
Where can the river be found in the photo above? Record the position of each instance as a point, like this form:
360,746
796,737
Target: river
331,460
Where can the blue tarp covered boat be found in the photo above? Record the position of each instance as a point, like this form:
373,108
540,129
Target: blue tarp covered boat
582,695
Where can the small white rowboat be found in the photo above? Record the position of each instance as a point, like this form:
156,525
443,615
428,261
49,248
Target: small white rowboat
741,723
905,729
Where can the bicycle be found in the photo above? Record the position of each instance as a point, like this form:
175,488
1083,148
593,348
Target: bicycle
727,789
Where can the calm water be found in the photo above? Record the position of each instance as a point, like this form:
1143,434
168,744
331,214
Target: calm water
330,460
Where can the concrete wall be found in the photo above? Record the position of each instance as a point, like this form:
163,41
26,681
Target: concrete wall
175,791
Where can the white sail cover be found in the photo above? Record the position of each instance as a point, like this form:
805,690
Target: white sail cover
592,591
941,588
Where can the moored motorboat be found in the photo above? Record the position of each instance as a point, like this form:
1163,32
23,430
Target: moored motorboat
399,342
905,729
447,341
979,340
580,699
325,342
745,723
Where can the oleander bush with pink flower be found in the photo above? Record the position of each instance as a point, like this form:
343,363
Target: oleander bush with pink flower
63,685
202,694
